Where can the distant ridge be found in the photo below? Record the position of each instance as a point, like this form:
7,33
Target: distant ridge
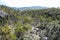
30,8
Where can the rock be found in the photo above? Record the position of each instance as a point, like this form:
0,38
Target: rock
3,17
44,38
3,14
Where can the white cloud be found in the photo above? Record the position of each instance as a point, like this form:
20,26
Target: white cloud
22,3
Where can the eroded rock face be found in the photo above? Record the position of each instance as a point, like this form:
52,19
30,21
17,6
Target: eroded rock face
3,17
32,35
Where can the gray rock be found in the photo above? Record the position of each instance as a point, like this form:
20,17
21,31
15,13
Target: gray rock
3,14
44,38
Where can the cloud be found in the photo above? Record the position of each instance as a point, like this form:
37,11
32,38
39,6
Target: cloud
23,3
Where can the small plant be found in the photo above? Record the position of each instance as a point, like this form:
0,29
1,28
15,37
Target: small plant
5,30
12,36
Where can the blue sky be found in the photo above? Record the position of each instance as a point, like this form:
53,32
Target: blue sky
24,3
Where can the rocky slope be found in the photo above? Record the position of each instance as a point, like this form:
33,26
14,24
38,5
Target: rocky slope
43,24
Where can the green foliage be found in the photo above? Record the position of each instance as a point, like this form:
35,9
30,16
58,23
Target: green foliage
22,28
12,36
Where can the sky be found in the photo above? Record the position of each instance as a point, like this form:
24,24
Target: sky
26,3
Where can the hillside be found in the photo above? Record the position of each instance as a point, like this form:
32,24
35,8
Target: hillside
42,24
